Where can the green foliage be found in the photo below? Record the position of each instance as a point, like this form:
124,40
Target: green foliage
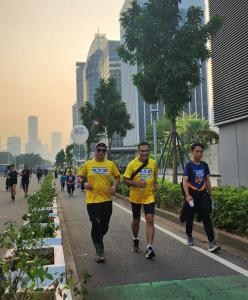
6,157
231,209
230,205
24,266
69,154
90,120
60,159
31,160
123,189
163,127
192,128
169,197
111,111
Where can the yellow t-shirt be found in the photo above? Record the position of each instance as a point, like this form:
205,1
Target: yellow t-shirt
149,174
99,175
68,170
78,171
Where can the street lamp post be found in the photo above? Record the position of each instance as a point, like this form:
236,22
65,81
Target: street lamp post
154,112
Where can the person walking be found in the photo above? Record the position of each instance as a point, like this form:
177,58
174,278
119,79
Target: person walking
7,178
39,174
100,186
70,183
141,175
198,196
25,174
62,181
12,176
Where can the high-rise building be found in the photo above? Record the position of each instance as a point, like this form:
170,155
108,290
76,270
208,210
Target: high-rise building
111,63
34,144
76,120
14,145
136,106
92,73
230,89
56,143
110,67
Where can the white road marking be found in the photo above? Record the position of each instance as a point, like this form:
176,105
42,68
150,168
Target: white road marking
204,252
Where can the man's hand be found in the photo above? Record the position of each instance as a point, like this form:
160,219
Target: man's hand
88,186
156,187
113,189
188,198
141,184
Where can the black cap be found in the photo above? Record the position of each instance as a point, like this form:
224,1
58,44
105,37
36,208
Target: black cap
101,145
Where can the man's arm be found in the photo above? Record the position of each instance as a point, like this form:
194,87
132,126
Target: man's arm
208,185
129,182
186,188
114,187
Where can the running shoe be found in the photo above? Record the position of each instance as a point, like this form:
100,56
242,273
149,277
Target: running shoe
150,252
213,247
135,245
99,257
190,241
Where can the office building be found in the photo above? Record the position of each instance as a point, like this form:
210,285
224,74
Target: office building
34,144
92,73
140,111
230,89
56,143
14,145
76,120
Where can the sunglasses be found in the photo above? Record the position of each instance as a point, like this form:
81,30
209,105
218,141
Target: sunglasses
103,150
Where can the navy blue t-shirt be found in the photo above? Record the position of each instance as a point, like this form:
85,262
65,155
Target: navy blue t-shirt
70,179
196,173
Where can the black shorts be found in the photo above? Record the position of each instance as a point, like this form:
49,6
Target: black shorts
12,182
25,184
149,209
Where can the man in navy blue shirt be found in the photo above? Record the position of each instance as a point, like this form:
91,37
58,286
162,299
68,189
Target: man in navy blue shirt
198,193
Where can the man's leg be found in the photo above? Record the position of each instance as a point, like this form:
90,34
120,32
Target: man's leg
96,234
150,229
136,209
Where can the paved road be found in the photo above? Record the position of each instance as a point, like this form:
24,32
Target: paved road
13,211
178,272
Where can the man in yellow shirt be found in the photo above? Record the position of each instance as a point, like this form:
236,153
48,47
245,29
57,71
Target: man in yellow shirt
103,178
141,175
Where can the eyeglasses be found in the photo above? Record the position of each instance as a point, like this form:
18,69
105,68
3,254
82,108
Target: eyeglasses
103,150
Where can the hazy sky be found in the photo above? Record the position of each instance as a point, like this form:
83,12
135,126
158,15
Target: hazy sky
40,41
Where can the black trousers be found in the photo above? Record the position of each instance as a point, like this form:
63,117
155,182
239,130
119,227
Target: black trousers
99,214
202,206
70,188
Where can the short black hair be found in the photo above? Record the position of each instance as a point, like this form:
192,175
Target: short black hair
193,146
101,145
144,144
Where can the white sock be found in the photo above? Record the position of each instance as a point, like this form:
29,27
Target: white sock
149,245
135,238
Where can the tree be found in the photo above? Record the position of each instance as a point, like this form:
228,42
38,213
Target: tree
168,53
69,154
111,111
193,129
6,158
31,160
89,120
60,159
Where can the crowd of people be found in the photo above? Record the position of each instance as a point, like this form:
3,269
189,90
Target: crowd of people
100,178
25,175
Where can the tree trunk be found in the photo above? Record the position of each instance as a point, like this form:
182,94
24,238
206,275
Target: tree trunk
109,155
174,150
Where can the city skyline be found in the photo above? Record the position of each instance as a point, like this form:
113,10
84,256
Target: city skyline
42,41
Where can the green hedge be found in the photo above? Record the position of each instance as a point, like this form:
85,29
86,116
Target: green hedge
230,211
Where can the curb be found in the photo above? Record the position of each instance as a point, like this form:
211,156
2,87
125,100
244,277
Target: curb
226,238
70,263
